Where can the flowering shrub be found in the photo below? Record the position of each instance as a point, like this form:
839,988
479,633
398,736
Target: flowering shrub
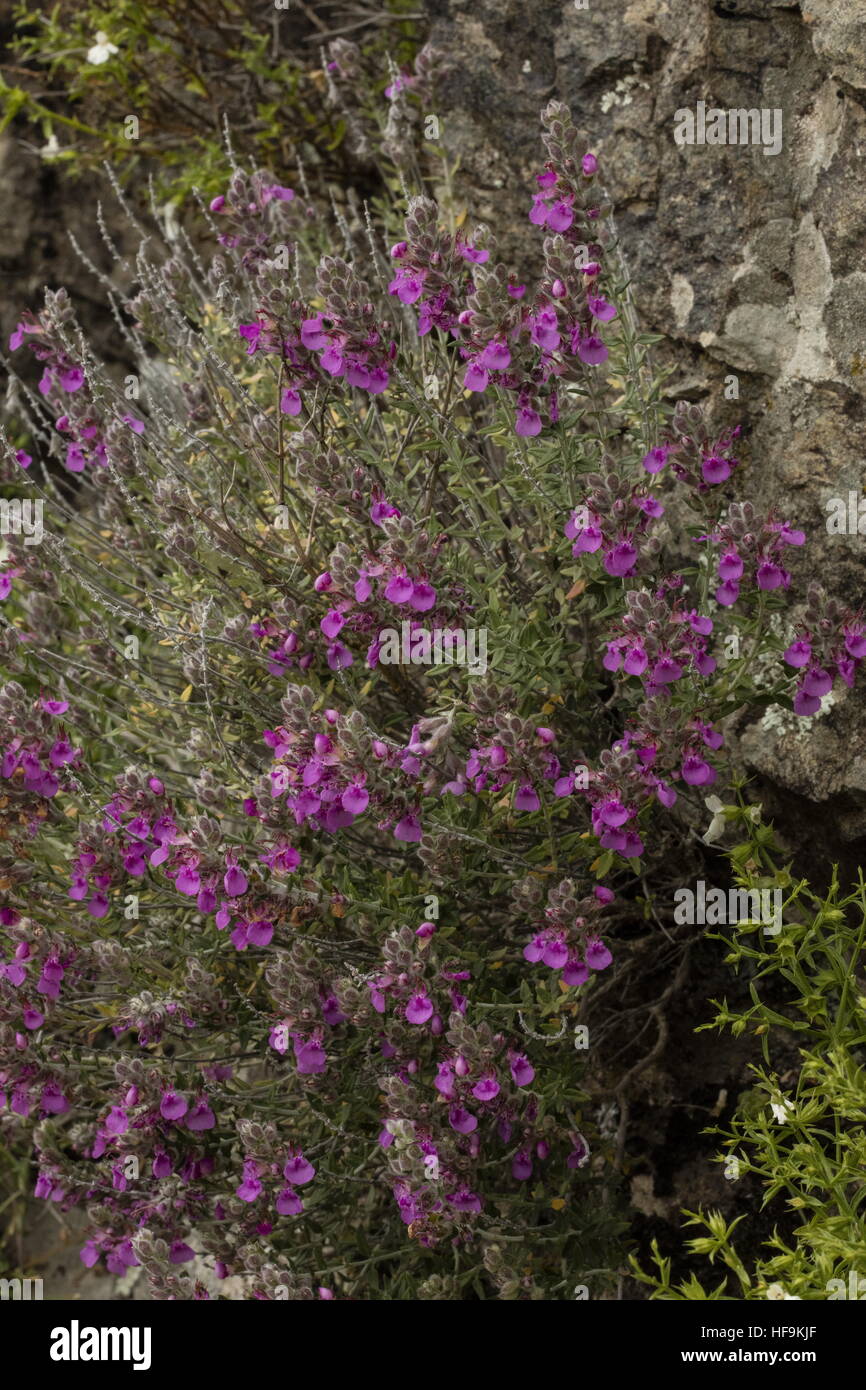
280,858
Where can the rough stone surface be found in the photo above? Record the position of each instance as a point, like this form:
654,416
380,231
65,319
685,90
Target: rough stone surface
750,263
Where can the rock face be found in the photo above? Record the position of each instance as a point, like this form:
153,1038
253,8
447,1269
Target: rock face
751,262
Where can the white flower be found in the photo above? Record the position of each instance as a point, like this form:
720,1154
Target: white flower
732,1168
102,50
51,147
775,1291
717,825
781,1110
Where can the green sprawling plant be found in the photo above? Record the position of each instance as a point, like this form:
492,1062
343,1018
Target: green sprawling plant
799,1134
151,87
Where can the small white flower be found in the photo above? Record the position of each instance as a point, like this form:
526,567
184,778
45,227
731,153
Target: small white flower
717,825
776,1292
732,1168
102,50
781,1109
527,66
51,147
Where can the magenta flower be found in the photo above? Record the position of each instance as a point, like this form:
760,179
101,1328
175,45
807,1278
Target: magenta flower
521,1166
576,973
526,798
598,957
399,588
173,1106
528,422
298,1170
592,350
769,575
408,828
696,772
338,657
250,1187
355,799
817,681
288,1203
235,881
462,1120
423,596
522,1071
464,1200
200,1117
116,1121
486,1089
419,1009
310,1056
475,378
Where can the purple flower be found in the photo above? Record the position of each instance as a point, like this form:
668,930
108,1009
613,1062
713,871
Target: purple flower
715,470
576,973
339,657
769,575
173,1106
288,1203
620,559
310,1056
579,1155
475,378
527,422
592,350
806,704
250,1187
560,216
235,881
486,1089
817,681
298,1170
696,772
423,596
522,1071
521,1166
419,1009
495,357
200,1116
408,828
464,1200
355,799
526,798
116,1121
598,957
461,1120
399,588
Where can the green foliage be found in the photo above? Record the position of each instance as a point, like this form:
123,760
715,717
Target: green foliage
799,1132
